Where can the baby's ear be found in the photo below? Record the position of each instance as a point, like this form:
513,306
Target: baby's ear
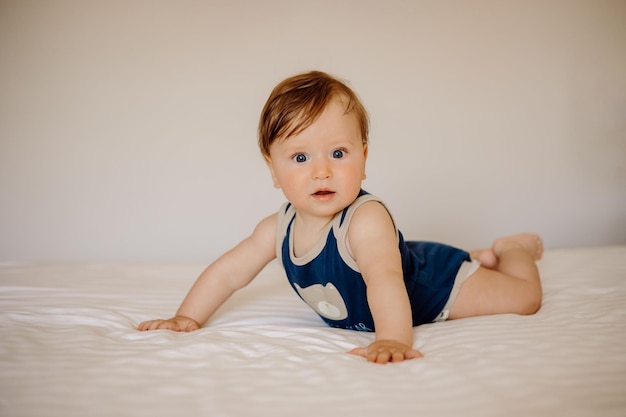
365,150
268,161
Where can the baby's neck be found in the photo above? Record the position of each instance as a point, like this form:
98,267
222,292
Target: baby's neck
307,231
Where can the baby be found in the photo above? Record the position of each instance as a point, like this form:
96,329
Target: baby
339,245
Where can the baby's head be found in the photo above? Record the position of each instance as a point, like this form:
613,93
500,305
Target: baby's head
298,101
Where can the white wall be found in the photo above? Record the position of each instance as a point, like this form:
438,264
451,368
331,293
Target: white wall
128,128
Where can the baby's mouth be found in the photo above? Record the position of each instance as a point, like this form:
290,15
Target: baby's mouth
323,195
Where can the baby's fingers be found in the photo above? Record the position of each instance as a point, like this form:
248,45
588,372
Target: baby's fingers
359,351
375,356
383,356
144,325
157,324
413,354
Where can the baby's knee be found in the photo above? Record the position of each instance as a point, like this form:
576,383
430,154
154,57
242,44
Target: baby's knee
532,303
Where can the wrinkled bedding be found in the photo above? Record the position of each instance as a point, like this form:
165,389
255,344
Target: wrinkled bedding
68,347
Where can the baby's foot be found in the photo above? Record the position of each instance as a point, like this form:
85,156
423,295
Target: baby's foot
486,257
529,242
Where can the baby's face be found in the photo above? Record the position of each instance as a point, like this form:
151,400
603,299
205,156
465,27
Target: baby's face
321,168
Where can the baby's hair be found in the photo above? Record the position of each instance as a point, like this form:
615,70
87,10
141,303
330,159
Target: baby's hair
298,101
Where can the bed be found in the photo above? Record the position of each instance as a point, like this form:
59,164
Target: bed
68,347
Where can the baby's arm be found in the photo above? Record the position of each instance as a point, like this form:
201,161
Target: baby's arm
374,244
232,271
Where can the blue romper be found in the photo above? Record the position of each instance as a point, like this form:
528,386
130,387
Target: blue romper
327,278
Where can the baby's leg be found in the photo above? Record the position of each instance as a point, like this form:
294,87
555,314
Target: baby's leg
509,282
488,257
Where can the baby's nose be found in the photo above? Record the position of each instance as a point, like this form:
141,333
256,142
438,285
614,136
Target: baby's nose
321,170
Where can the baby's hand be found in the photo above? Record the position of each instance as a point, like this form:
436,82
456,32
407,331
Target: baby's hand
383,351
177,324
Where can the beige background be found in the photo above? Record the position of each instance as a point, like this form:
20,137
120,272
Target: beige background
128,128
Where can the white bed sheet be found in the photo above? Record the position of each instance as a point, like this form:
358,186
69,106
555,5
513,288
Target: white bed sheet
68,347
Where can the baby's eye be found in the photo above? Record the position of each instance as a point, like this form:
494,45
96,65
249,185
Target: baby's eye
300,157
338,153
